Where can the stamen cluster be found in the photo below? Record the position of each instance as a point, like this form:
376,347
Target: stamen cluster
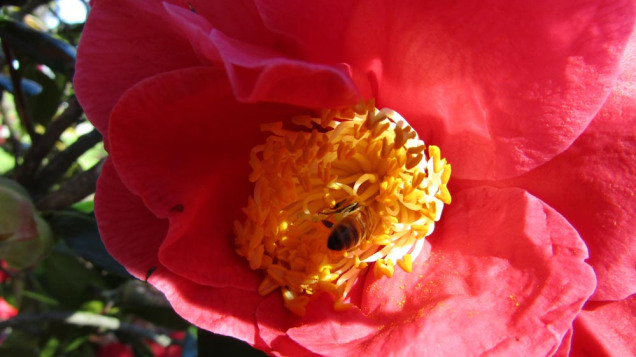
361,166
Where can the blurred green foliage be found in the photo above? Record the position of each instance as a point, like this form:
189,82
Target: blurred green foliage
66,295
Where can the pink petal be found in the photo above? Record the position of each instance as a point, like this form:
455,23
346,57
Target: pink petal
606,329
273,321
225,311
593,183
193,168
318,29
238,19
338,333
221,310
259,73
564,349
506,277
200,245
501,87
131,233
7,311
123,42
195,29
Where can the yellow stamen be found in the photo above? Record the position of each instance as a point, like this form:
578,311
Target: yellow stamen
406,263
359,170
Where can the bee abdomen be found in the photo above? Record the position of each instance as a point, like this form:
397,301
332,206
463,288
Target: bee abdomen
343,236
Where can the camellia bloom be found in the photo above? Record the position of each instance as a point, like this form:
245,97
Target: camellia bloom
258,178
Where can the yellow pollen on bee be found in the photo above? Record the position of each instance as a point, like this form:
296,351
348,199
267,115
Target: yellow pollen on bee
360,170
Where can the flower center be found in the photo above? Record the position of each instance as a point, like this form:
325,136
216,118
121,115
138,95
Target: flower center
345,189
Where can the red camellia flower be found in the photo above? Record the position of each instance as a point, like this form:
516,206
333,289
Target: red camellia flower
278,169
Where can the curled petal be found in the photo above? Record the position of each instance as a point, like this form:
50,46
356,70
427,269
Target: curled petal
260,74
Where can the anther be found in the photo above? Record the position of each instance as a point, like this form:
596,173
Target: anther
359,177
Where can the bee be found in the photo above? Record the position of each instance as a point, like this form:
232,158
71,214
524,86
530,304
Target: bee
355,225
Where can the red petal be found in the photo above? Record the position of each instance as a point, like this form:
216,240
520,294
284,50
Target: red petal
123,42
593,183
273,321
506,276
500,87
131,233
225,311
238,19
564,349
319,29
260,74
606,329
338,333
181,142
7,311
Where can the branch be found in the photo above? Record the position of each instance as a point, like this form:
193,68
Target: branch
16,145
60,163
72,190
18,94
39,150
86,319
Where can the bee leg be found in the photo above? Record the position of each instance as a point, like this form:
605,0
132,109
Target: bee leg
352,207
327,223
339,204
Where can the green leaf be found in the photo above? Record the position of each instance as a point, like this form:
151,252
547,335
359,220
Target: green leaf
50,347
80,233
7,162
94,306
75,344
85,206
40,297
44,105
69,280
38,46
